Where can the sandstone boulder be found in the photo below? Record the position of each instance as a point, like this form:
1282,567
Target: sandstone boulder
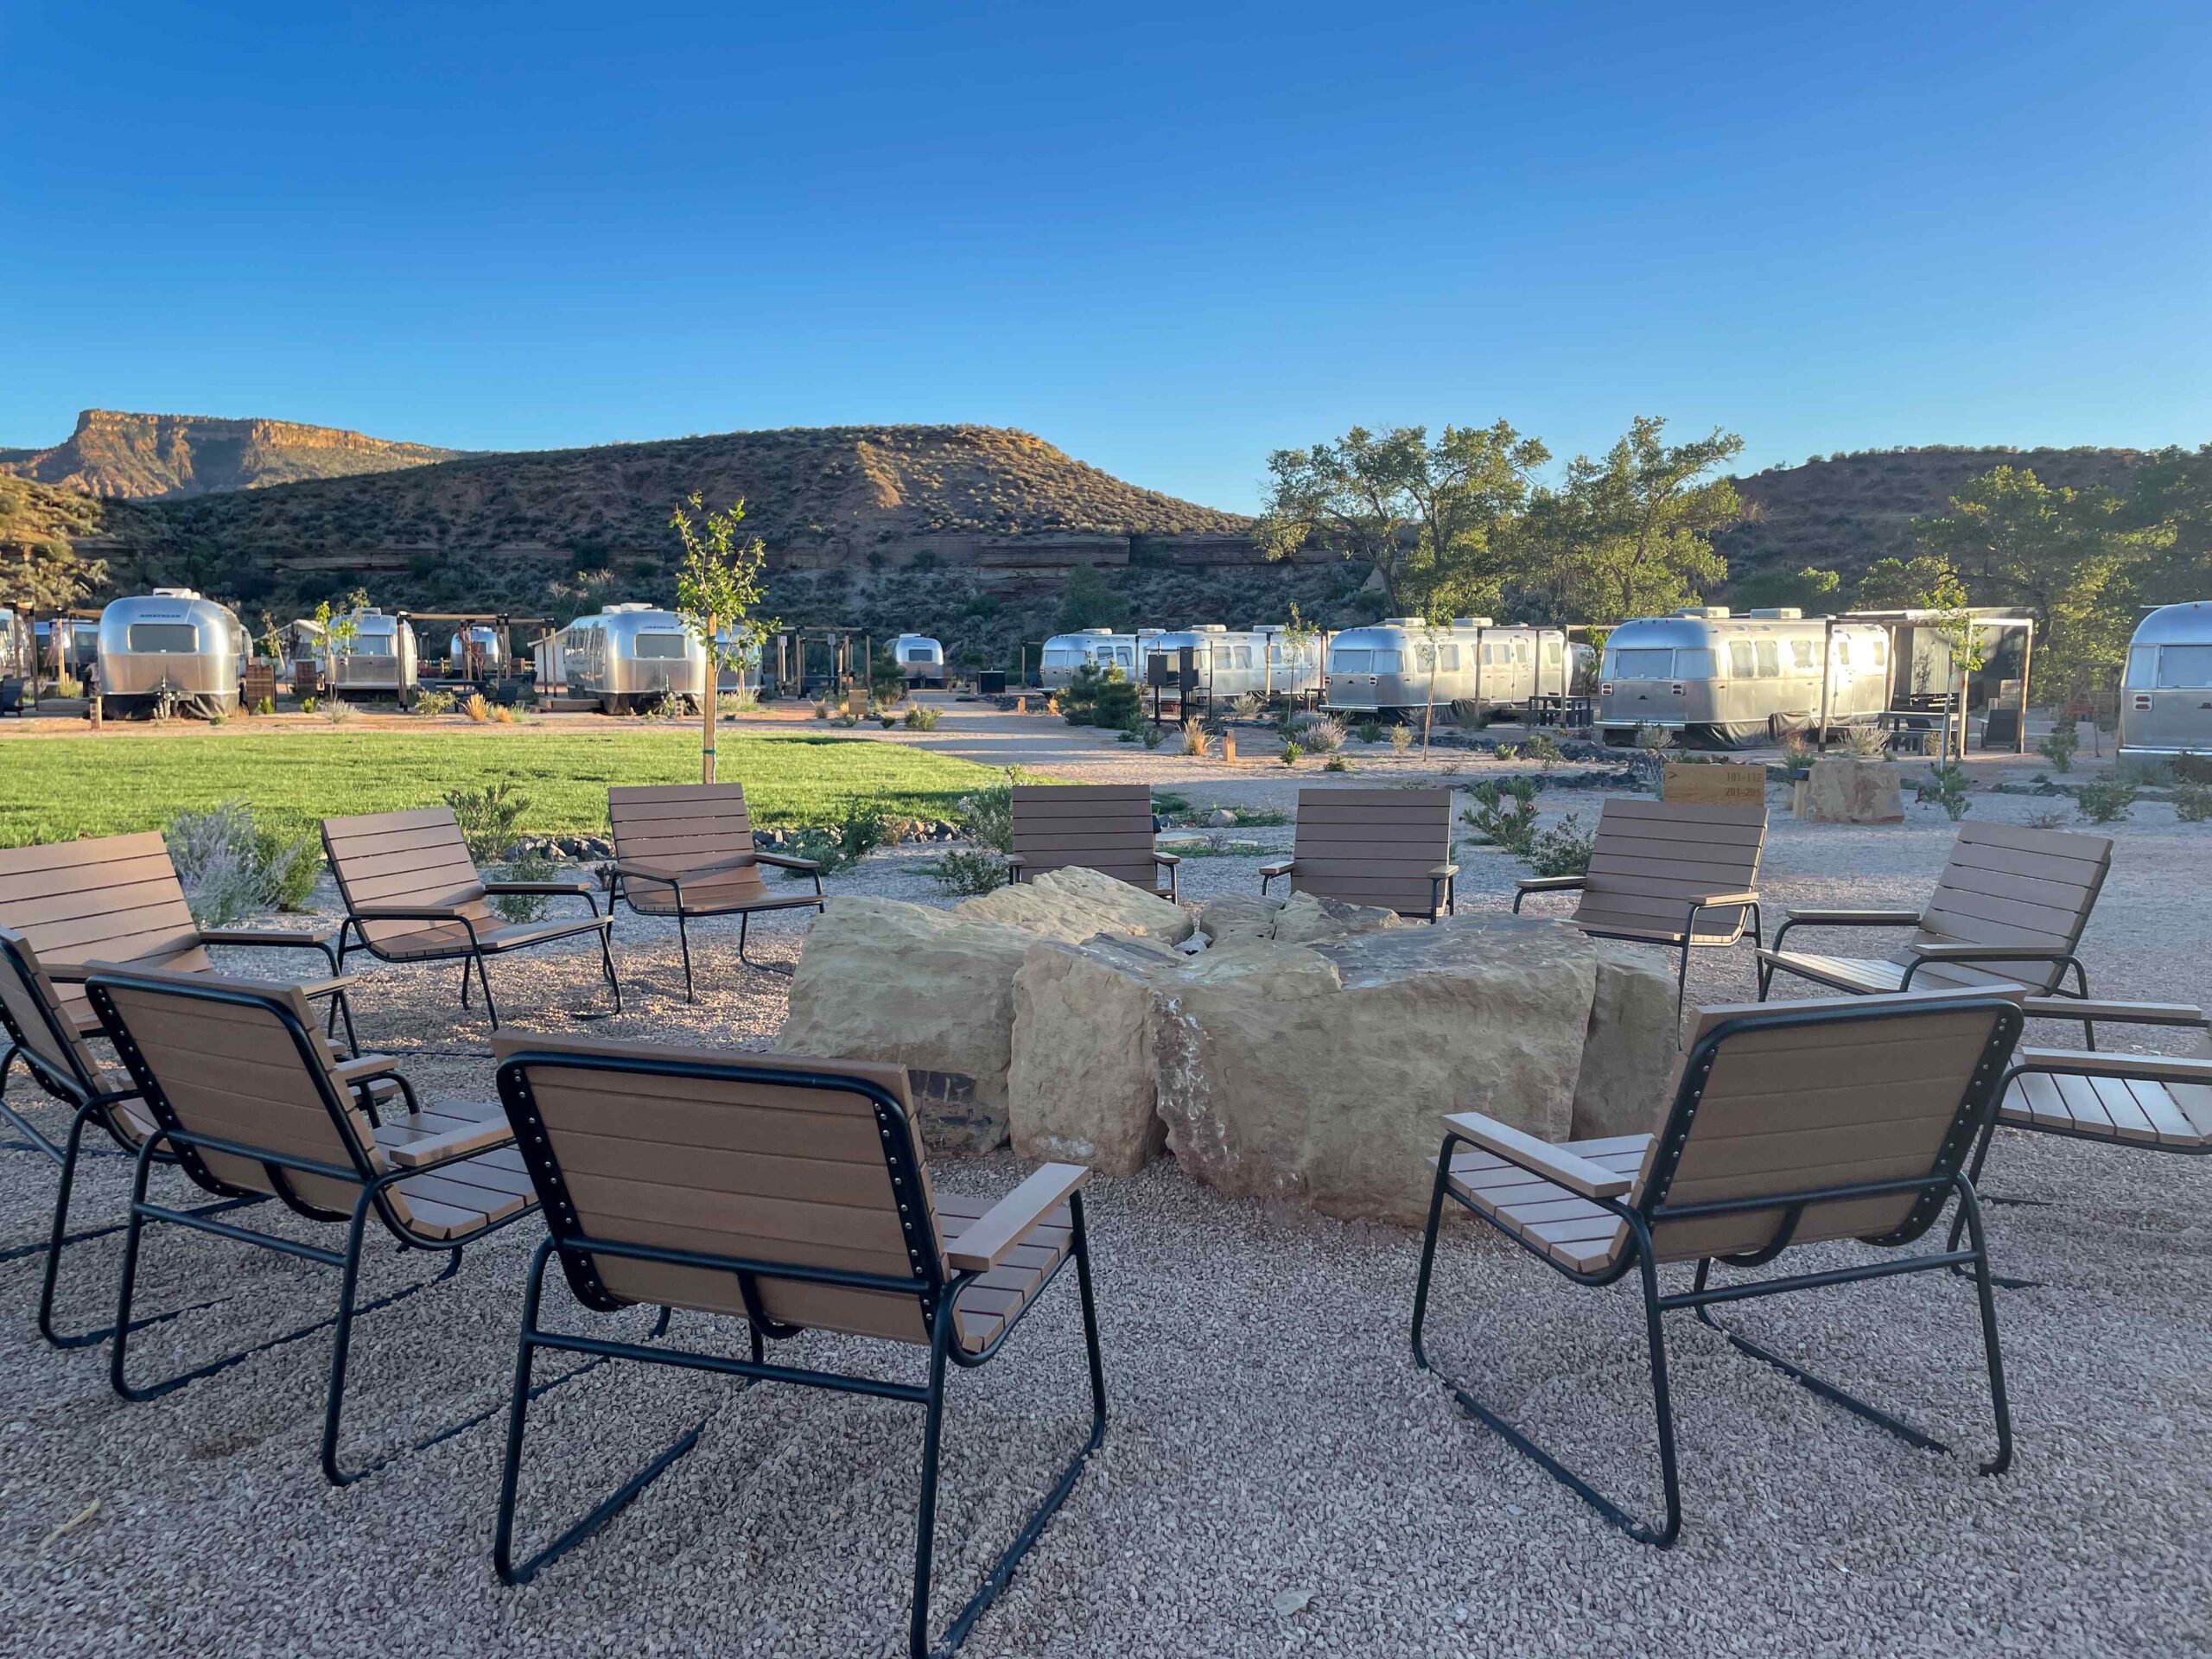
929,990
1081,1088
1842,789
1629,1054
1142,912
1307,919
1322,1072
1073,904
1238,916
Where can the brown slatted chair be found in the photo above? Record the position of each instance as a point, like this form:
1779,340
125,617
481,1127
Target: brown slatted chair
792,1194
1388,848
45,1031
116,898
2008,909
412,893
1668,873
1793,1124
1103,827
248,1101
690,847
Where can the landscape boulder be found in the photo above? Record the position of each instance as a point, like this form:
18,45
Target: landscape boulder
930,989
1234,916
1082,1087
1322,1072
1072,905
1629,1054
1307,918
1842,789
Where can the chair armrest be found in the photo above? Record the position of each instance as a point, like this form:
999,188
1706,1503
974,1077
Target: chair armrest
991,1238
784,862
575,884
2134,1068
1714,900
1854,917
1171,860
364,1068
1017,859
407,913
1551,883
1576,1174
328,985
1988,953
456,1142
1442,871
646,870
311,939
1278,867
2117,1014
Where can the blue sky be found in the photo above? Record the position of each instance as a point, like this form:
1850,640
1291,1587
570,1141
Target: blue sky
1168,239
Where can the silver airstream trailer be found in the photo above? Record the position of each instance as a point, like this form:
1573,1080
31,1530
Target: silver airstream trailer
378,659
1230,664
1402,664
919,658
79,649
631,656
2166,697
477,652
18,646
1720,680
1098,648
169,650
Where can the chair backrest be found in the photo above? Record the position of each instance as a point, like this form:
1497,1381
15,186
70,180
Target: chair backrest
762,1159
1101,827
403,858
689,826
2009,886
1650,858
111,898
1786,1098
238,1059
1372,846
35,1018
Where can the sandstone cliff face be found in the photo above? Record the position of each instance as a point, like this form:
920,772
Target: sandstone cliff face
153,457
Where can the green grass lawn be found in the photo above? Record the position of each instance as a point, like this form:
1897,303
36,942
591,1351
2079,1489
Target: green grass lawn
53,789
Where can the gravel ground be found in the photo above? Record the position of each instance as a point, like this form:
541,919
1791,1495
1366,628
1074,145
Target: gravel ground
1277,1477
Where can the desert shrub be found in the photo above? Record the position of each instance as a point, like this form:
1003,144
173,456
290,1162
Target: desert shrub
1402,740
1369,731
839,847
1864,742
1563,849
431,704
1504,814
477,709
1543,747
2058,748
886,720
67,688
232,867
1321,735
1798,747
985,820
1336,763
671,704
1251,706
887,680
217,717
2106,800
1150,735
1654,738
1291,751
505,714
265,706
1196,739
2191,768
922,718
307,705
1108,699
1946,786
2193,802
822,709
1507,751
1469,714
338,711
743,701
1167,803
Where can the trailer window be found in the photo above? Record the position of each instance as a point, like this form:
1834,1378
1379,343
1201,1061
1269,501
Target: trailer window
1647,663
1522,654
917,653
1243,658
179,639
1551,653
2184,668
368,644
660,647
1801,655
1424,657
1059,659
1769,653
1121,655
1842,653
1881,650
1351,662
1694,665
1388,662
1447,659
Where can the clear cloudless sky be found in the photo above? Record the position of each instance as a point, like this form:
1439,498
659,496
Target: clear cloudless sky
1168,239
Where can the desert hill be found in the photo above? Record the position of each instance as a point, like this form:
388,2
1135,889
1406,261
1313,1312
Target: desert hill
163,457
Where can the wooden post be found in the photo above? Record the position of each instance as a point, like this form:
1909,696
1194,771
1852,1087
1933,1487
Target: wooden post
2027,661
707,705
1828,663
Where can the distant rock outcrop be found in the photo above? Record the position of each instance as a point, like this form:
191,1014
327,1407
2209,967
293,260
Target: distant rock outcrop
160,457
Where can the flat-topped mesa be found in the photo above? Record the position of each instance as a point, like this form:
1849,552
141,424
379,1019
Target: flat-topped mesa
117,453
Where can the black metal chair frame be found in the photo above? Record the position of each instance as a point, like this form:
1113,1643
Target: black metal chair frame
744,913
1944,1178
171,1138
1960,952
1443,897
936,1292
472,956
1690,940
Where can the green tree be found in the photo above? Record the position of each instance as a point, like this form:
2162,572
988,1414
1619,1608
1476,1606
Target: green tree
1089,603
47,576
1808,589
1632,535
1433,519
2068,556
2169,495
715,592
1924,582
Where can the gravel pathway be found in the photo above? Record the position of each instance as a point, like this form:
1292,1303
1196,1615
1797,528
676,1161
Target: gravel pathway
1277,1478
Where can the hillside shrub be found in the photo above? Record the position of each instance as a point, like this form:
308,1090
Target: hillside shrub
1504,814
2058,748
231,866
2106,801
1563,849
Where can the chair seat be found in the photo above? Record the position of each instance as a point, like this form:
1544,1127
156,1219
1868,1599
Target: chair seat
712,898
997,1298
1674,936
451,938
1569,1228
464,1198
1878,976
2178,1116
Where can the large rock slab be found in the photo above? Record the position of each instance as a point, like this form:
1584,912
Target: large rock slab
1307,919
1073,904
1234,916
928,990
1322,1072
1842,789
1632,1042
1082,1085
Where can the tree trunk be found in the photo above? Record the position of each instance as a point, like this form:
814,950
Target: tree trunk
708,702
